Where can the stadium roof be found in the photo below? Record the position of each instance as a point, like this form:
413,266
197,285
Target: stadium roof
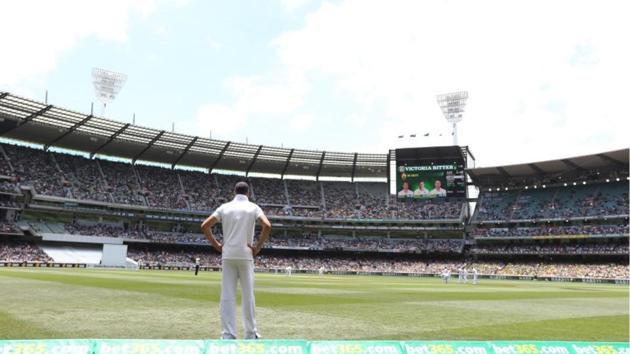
616,160
36,122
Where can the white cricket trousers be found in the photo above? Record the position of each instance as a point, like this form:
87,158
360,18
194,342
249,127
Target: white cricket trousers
233,271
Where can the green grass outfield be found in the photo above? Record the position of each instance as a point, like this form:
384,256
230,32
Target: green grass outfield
90,303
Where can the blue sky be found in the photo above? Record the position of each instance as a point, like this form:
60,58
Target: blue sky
546,79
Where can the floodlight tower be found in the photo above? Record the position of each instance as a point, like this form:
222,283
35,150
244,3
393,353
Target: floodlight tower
107,85
452,105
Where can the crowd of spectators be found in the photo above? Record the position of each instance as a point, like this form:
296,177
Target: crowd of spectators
9,203
268,191
387,265
583,229
314,242
12,251
146,257
366,243
121,182
83,177
305,212
73,176
305,193
277,210
342,200
351,264
178,237
562,202
611,204
104,230
374,199
37,168
564,270
434,209
590,200
107,181
136,232
8,186
307,241
6,169
226,186
554,249
201,190
162,187
494,206
9,227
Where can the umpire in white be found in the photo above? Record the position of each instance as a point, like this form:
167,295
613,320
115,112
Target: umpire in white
238,219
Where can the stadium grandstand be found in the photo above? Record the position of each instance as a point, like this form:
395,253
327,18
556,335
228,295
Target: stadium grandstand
71,183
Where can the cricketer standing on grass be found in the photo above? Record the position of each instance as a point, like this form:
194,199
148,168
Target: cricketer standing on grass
238,219
446,274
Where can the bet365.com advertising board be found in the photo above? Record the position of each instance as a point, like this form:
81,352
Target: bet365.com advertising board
140,346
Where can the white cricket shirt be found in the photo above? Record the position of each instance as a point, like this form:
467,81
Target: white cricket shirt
405,194
238,219
439,193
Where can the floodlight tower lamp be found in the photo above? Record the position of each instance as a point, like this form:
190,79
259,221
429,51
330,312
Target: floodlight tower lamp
452,106
107,85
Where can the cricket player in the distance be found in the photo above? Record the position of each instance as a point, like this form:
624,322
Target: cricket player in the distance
446,275
238,220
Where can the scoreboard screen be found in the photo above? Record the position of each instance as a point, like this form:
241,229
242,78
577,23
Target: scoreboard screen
421,174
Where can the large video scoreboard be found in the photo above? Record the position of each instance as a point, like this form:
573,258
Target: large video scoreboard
432,172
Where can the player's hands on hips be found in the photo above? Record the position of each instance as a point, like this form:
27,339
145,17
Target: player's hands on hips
255,250
218,247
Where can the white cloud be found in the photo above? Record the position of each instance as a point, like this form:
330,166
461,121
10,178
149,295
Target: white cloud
161,32
291,6
38,33
273,94
218,119
213,43
546,79
272,97
301,123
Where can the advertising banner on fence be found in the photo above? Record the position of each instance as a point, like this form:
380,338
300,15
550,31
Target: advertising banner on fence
140,346
355,347
53,346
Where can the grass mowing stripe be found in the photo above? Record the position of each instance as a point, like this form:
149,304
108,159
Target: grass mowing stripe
86,312
208,290
12,327
545,308
595,328
203,290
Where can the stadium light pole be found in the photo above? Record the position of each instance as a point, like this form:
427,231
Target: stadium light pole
452,105
107,85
